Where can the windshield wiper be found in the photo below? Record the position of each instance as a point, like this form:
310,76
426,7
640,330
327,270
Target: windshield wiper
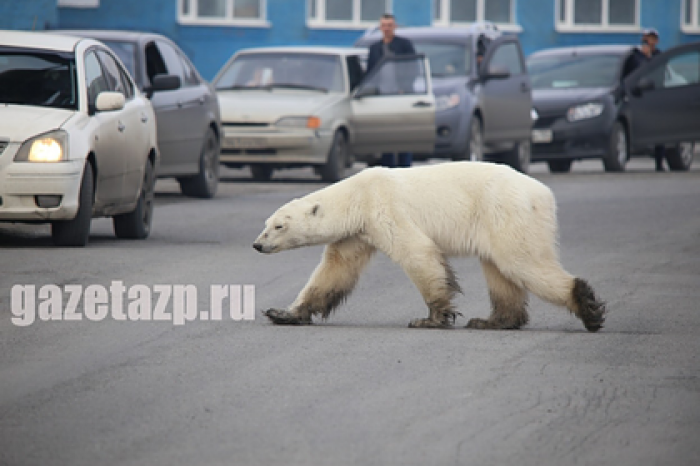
297,86
237,87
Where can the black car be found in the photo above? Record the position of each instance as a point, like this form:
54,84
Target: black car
588,109
187,109
483,109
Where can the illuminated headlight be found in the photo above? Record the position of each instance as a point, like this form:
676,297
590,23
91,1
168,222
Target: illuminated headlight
310,122
444,102
534,115
49,147
585,111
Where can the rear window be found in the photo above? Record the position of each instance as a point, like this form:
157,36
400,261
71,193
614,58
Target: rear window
446,59
38,77
574,71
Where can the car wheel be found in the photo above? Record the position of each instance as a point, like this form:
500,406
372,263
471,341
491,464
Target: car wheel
76,232
475,143
680,158
137,223
334,169
559,166
205,183
616,158
519,157
261,172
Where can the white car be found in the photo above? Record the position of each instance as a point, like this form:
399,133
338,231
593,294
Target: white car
77,138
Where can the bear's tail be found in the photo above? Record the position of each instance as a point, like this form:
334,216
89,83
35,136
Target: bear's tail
586,306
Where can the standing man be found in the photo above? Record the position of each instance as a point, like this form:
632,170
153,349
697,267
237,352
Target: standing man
390,45
640,55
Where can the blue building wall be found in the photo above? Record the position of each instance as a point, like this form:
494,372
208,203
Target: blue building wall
210,46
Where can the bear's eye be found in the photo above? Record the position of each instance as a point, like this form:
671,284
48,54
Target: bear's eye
279,227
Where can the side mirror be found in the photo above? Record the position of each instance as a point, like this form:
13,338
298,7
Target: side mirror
496,72
163,82
643,85
366,91
109,101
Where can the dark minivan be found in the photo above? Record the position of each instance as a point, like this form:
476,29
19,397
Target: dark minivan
483,110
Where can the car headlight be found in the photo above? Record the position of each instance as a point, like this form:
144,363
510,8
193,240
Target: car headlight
585,111
49,147
446,101
310,122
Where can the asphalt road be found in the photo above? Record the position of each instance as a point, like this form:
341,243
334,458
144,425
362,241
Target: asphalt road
362,388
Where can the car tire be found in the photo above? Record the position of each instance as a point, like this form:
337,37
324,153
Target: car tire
334,169
559,166
519,156
205,183
76,232
680,157
618,153
261,172
475,143
137,223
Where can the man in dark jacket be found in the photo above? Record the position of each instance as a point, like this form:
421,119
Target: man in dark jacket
640,55
390,45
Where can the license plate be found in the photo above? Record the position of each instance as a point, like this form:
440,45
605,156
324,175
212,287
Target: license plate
246,143
541,136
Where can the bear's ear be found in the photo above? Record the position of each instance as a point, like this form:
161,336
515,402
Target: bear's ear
315,209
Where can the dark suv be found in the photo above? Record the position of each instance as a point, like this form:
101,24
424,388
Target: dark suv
482,92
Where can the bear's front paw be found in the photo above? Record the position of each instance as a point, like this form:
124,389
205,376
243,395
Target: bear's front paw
428,323
479,324
282,317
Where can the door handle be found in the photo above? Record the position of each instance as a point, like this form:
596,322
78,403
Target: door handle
202,100
144,118
179,103
524,87
121,127
422,103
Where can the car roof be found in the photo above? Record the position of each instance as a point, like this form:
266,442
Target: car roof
307,49
612,49
113,35
436,32
39,40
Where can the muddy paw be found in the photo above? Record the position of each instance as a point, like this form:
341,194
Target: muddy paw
282,317
428,323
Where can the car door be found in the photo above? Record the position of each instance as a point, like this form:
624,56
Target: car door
393,108
662,101
505,97
108,139
180,112
133,120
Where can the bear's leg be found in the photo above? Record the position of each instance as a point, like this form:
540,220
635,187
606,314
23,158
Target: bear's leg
552,283
508,301
429,270
329,285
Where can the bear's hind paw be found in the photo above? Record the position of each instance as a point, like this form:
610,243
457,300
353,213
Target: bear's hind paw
282,317
428,323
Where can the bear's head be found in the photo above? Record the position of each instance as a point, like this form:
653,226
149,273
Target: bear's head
294,225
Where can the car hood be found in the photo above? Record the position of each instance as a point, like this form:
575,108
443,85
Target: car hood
269,106
21,122
553,100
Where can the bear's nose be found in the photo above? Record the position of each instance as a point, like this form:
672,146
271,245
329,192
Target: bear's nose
258,247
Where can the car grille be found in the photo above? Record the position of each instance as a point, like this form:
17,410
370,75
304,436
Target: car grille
546,121
244,124
556,147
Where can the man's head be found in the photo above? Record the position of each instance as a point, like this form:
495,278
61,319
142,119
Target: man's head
650,37
387,24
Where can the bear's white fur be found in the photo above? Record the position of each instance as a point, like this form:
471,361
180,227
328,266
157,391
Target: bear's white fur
420,216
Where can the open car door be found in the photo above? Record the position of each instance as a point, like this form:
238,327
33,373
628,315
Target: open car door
662,101
393,108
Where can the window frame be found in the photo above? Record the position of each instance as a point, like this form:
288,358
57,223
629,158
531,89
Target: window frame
445,19
568,25
319,22
228,20
693,27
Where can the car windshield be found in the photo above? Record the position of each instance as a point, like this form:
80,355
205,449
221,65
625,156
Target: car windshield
306,71
126,51
37,77
446,59
573,71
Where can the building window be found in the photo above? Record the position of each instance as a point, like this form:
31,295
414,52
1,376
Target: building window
691,16
597,15
79,3
461,12
223,12
347,13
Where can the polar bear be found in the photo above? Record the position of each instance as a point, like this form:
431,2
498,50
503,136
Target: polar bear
419,217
